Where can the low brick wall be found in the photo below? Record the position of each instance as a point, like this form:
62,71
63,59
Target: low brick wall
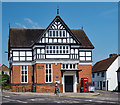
21,88
48,88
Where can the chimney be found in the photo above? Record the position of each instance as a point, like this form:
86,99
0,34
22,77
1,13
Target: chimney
112,55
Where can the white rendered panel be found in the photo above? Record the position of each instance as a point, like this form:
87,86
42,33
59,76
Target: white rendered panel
82,53
22,58
22,53
50,40
76,51
29,53
15,53
29,58
38,50
82,58
15,58
57,56
88,53
88,58
42,51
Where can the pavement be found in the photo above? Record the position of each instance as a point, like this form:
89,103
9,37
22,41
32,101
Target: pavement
98,97
52,94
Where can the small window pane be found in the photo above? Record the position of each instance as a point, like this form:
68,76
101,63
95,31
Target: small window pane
82,53
53,33
15,53
22,53
88,53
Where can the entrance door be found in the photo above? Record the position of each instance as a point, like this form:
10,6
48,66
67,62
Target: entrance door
68,83
100,85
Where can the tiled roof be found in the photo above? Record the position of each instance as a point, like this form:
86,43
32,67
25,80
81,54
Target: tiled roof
26,37
103,65
4,68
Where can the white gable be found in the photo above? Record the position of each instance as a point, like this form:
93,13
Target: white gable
57,33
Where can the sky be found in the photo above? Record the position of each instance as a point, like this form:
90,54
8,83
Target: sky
99,21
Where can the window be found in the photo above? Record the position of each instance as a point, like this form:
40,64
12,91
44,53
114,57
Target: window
40,53
93,83
24,74
98,74
103,84
53,33
93,75
22,55
63,33
48,73
69,66
102,74
85,55
98,84
57,49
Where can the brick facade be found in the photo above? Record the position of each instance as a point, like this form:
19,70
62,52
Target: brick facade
40,84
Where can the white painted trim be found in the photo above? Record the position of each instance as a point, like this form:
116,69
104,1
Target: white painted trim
85,49
22,63
38,46
24,77
20,49
56,61
70,73
85,63
57,56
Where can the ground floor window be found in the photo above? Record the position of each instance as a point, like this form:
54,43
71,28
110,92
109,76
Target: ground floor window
24,74
48,73
103,84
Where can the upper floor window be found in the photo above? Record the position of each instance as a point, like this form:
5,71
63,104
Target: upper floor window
57,33
102,74
57,49
98,74
85,55
69,66
24,74
22,55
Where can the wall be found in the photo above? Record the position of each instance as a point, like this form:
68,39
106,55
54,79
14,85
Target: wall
112,76
99,78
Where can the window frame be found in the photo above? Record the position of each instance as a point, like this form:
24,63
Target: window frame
48,73
24,73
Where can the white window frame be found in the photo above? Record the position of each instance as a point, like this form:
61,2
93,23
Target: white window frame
24,73
48,73
69,66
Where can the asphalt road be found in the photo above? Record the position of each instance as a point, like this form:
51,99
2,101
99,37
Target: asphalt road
32,100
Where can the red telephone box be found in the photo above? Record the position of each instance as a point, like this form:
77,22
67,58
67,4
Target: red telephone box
84,84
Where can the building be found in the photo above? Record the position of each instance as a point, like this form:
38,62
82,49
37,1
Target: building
105,75
118,73
42,57
4,69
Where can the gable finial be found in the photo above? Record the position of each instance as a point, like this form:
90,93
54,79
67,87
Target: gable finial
57,10
9,25
82,27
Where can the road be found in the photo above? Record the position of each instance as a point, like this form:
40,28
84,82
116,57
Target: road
13,98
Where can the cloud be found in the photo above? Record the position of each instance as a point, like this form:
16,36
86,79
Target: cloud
20,25
109,12
33,24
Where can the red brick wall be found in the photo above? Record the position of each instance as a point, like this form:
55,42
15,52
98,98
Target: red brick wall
22,88
48,88
86,72
57,72
16,74
40,73
16,79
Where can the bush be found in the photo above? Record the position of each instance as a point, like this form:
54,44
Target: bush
4,81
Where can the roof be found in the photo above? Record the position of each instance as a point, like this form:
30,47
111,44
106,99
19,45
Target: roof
103,65
4,68
28,37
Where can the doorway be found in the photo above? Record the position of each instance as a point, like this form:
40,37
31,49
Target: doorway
100,85
68,83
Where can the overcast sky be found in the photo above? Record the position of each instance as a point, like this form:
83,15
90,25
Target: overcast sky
99,20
